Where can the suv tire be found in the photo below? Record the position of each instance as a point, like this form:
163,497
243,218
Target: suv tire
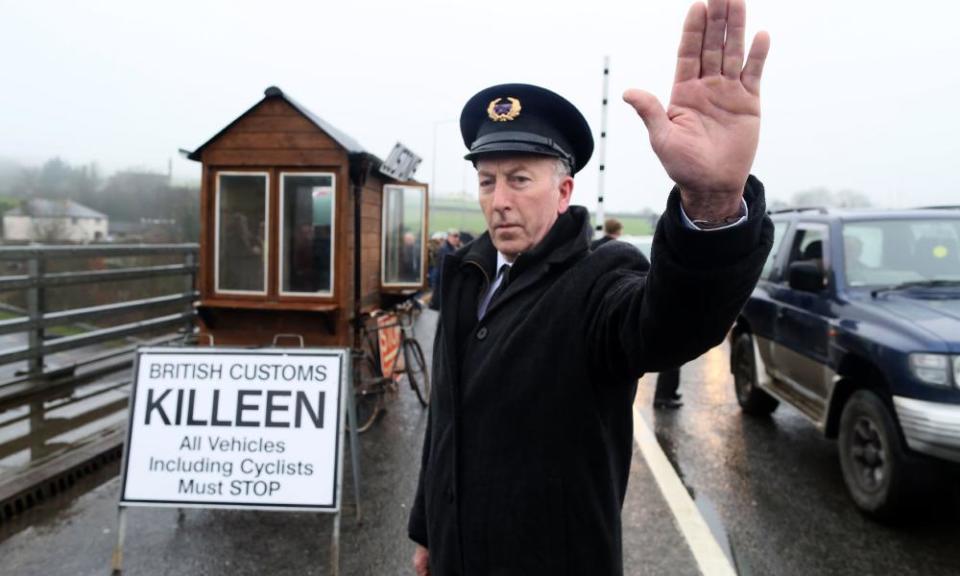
875,466
751,398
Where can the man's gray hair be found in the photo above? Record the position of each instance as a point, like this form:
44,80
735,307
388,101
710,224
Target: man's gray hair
561,169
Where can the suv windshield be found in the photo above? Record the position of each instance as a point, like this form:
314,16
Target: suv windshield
893,252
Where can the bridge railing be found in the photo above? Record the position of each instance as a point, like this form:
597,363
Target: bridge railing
70,319
37,273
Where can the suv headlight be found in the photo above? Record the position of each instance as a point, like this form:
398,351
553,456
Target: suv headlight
933,368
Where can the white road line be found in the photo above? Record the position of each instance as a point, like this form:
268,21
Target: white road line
706,550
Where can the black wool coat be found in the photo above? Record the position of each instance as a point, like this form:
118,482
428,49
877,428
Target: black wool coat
530,435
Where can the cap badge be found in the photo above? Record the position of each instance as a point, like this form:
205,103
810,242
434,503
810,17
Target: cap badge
503,111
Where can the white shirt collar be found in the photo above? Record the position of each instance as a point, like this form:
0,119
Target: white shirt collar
501,260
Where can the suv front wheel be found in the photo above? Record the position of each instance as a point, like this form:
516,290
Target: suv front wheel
875,467
751,398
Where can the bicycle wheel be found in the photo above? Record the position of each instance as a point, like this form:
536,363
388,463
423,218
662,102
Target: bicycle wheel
367,392
416,370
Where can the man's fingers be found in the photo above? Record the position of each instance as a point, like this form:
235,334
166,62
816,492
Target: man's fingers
421,561
649,109
691,44
711,59
754,68
733,45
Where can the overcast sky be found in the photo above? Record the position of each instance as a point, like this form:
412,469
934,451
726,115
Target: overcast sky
857,94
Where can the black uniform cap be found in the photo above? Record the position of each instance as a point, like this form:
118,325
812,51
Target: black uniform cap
526,119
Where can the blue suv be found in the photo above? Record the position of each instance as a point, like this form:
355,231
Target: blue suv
855,322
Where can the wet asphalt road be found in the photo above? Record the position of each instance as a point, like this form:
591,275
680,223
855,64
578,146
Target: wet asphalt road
75,536
770,489
773,489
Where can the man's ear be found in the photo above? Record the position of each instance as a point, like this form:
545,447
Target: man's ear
566,194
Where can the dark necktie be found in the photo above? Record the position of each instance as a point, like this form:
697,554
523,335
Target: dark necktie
505,273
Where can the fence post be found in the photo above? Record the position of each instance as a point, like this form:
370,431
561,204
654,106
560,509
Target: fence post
36,304
35,307
191,284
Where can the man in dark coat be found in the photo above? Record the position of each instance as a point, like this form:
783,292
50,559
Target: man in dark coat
540,341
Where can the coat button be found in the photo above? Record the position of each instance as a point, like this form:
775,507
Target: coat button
482,333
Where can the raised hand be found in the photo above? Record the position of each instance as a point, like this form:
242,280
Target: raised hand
707,138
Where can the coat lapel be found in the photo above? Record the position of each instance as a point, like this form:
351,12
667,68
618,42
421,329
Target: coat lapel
566,243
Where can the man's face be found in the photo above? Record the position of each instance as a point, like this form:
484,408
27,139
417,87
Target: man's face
521,197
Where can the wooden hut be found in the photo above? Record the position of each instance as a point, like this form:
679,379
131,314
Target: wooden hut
284,248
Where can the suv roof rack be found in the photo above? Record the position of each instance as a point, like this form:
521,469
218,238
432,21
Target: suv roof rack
818,209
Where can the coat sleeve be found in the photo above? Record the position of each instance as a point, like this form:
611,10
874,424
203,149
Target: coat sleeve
417,524
696,286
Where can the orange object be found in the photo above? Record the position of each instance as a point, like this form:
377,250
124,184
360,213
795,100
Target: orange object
388,335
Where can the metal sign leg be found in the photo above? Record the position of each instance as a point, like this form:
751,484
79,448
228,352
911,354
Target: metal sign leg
335,546
116,564
354,449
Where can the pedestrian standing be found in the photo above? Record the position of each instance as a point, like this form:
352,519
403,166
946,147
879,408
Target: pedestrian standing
666,395
449,246
612,229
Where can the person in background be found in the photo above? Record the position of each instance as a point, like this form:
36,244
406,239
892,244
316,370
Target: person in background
666,395
449,246
612,229
410,258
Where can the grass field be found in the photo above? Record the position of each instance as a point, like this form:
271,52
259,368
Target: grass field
466,216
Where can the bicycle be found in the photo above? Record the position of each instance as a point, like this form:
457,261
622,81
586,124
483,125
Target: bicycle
388,353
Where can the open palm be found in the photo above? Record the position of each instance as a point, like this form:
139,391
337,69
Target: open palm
707,138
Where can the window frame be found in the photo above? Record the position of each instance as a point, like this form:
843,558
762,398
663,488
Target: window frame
217,291
281,293
383,238
778,254
827,247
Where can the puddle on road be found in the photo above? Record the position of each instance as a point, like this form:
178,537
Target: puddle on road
34,431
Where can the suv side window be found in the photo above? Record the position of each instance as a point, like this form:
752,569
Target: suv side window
809,244
779,230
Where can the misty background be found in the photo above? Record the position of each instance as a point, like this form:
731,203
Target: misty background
858,96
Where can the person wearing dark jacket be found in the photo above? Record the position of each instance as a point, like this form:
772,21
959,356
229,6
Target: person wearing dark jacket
612,228
540,342
449,246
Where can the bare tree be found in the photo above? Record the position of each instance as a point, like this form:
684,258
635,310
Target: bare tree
50,230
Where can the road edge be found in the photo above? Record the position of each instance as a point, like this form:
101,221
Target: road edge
706,550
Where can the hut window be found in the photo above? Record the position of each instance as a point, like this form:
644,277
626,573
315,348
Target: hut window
306,239
242,221
404,220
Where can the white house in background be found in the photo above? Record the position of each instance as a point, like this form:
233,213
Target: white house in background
42,220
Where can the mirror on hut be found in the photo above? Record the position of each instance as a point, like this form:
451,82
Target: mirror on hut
404,220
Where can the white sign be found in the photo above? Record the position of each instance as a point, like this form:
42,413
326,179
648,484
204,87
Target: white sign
401,163
235,429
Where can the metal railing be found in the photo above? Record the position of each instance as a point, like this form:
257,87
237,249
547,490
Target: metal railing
37,281
73,317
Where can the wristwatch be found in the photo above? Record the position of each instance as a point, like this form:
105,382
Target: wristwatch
711,224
